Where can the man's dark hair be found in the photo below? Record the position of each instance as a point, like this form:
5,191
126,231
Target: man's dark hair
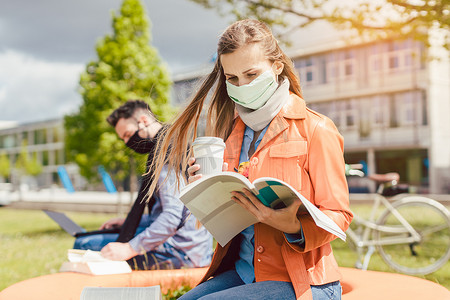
128,110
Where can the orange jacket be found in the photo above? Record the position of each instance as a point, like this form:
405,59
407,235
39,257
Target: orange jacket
304,149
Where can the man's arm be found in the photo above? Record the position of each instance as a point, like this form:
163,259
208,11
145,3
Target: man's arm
166,223
163,227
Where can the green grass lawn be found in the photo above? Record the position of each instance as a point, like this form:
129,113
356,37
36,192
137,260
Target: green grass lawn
32,245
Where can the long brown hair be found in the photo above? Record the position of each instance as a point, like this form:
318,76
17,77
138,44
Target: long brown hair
172,149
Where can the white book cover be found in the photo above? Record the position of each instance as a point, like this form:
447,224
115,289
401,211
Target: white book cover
122,293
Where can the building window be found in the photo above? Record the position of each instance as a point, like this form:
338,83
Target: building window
394,53
308,71
57,134
375,59
423,97
59,157
393,119
9,142
380,111
348,63
340,65
335,113
395,56
39,136
322,108
408,59
394,62
332,67
45,160
350,111
411,108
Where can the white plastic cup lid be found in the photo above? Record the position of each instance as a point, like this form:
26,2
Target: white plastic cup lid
208,140
208,146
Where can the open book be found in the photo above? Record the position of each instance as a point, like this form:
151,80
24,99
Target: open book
122,293
209,200
92,262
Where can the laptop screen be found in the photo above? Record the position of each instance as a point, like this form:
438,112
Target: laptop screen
65,222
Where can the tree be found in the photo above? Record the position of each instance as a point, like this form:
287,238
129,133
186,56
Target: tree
370,18
27,165
5,166
128,67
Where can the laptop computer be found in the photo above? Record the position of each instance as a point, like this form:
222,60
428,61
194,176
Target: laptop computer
73,228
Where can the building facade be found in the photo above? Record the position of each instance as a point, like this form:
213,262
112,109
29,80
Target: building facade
390,100
43,140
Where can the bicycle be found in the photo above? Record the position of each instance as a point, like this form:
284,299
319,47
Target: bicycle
412,234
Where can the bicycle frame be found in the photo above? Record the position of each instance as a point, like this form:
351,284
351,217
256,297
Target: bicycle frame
370,225
406,233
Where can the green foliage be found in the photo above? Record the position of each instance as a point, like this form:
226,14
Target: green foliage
29,166
34,167
371,19
175,294
5,166
128,67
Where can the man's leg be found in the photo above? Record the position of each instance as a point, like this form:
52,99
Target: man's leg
94,242
162,258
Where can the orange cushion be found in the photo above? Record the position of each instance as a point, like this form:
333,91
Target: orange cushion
356,284
68,285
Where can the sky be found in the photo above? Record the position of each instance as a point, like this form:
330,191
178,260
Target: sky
45,45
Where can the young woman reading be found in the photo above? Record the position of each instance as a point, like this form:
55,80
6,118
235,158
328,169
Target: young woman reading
257,108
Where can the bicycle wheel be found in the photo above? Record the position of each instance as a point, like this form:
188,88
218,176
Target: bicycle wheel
431,220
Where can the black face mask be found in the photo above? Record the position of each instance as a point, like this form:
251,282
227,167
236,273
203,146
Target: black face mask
139,144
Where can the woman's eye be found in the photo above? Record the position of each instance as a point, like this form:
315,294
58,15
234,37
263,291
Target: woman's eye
231,79
251,75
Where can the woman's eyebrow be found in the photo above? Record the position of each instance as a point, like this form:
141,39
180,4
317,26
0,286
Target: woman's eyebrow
246,71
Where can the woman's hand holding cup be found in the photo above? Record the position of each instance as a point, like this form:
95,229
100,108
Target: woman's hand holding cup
192,169
195,167
208,154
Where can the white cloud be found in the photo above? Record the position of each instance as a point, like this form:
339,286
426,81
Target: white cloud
32,89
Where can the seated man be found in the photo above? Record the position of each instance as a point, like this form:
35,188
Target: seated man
168,237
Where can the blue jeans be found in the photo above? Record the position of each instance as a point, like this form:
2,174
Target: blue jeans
229,285
161,258
96,242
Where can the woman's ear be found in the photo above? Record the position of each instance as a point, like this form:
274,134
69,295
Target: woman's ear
278,67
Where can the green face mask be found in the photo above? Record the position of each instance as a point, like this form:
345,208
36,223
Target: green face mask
255,94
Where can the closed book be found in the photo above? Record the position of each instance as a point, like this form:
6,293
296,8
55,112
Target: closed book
122,293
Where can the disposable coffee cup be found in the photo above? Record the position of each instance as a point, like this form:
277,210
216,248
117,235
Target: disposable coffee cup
208,153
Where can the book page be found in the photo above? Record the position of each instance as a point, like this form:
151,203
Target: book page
77,255
273,188
121,293
92,262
